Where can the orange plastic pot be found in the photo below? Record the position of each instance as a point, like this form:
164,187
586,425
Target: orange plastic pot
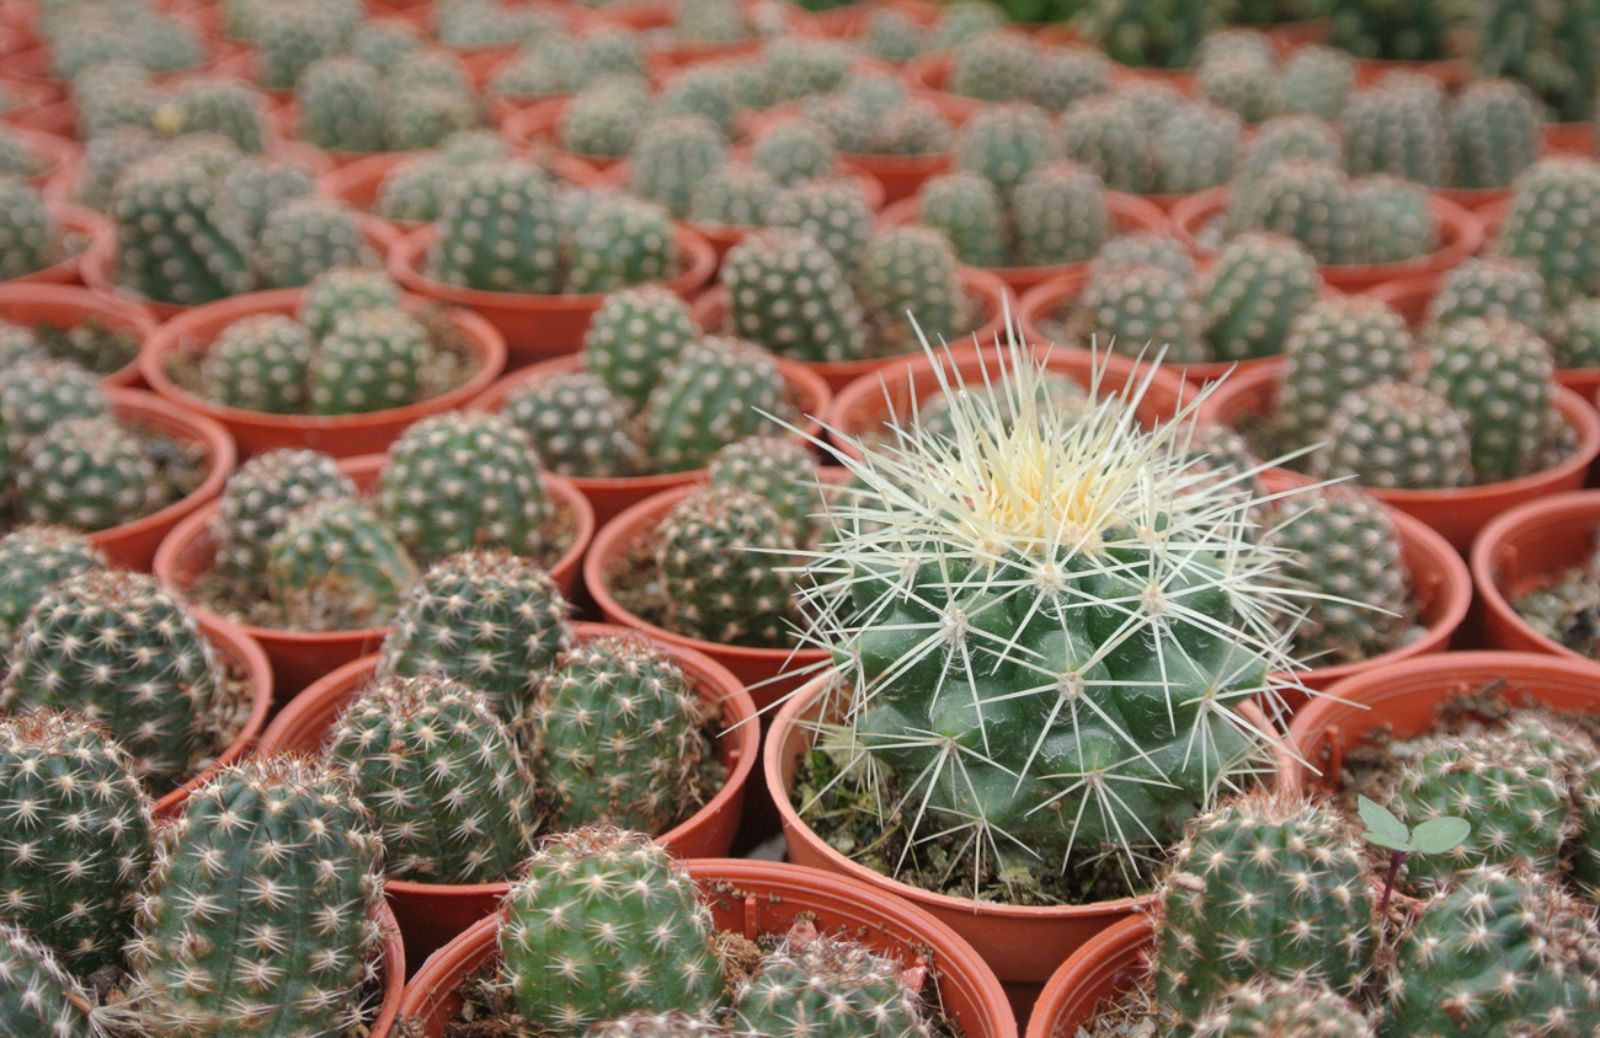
342,436
51,153
757,899
431,914
1458,513
1527,548
1289,37
537,327
1179,79
929,76
611,496
1407,698
133,545
1129,213
393,972
298,658
1461,235
1475,199
1108,964
87,235
1569,139
241,654
67,306
1448,73
902,176
711,314
1022,944
538,124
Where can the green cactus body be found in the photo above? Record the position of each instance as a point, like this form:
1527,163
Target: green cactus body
777,469
172,245
89,474
1396,435
911,272
258,186
105,156
1406,31
1196,149
32,559
963,20
335,567
1164,34
793,151
290,38
1554,223
1491,286
491,620
1337,346
1398,127
602,880
461,481
372,360
259,363
577,426
787,293
422,115
815,986
1286,138
443,779
1318,81
335,294
1003,142
158,689
833,212
851,125
1262,885
413,190
18,344
39,999
1106,134
717,391
497,231
1255,288
308,237
672,156
1246,84
75,840
623,241
968,210
258,499
29,238
704,91
1400,223
1500,378
37,395
719,558
1315,204
605,119
894,36
673,1024
1282,1009
996,66
798,67
916,127
1060,215
1494,133
225,107
1063,75
735,194
279,825
1139,310
1574,334
1142,249
1343,543
386,44
634,336
340,103
1450,975
529,77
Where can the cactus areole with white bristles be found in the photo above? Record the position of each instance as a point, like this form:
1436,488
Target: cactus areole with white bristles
1046,621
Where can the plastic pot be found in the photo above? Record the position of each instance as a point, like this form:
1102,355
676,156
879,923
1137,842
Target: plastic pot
902,176
88,234
711,314
758,898
1108,964
537,327
538,124
339,435
1461,235
1128,213
298,658
50,152
431,914
1459,513
610,496
394,975
929,76
67,306
1569,139
1525,549
1447,72
1407,698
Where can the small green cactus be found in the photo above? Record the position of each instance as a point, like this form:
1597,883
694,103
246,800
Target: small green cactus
817,986
1494,133
1574,335
259,498
736,194
1286,138
105,156
308,237
1003,142
1400,223
1139,310
1318,81
1337,346
1195,149
623,241
787,293
290,38
38,394
1491,286
906,272
226,107
340,104
1060,215
720,558
335,294
334,566
1399,435
967,209
833,212
577,426
89,474
1109,136
718,390
1241,82
1313,203
996,66
171,246
670,158
916,127
418,116
1398,127
29,238
32,559
1499,377
372,360
259,363
1554,223
1409,31
257,186
778,469
39,999
634,336
1165,34
1062,75
794,150
1269,1008
1142,249
604,120
497,231
1254,290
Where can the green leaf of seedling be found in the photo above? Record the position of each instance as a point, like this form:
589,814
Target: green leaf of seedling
1383,828
1437,835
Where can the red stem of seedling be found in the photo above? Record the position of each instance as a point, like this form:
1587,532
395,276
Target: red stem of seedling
1396,859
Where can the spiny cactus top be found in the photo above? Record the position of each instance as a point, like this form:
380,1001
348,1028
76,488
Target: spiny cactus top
1267,1008
260,915
334,566
1398,127
674,1024
1396,434
1254,290
971,608
29,237
1003,142
39,999
656,955
634,335
32,559
816,986
1554,223
259,498
1492,286
778,469
578,426
497,230
717,391
172,245
1338,345
74,836
335,294
787,293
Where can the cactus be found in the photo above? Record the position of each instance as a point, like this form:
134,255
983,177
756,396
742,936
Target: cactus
670,158
798,67
1398,217
32,559
1554,223
733,195
623,241
1107,135
1450,972
171,246
794,150
294,830
372,360
423,115
833,212
1142,249
158,688
385,45
1396,435
604,120
1491,286
1318,81
308,237
777,469
911,271
29,238
916,127
964,20
577,426
75,838
1165,34
816,986
1268,1008
105,156
1060,215
18,343
1398,127
464,480
996,66
490,620
1500,378
259,363
704,91
893,36
1063,75
635,334
850,125
497,231
116,95
1003,142
1263,885
256,187
38,394
39,999
1139,309
258,499
340,102
785,292
335,567
1195,149
1574,335
1413,30
1286,138
969,211
659,1025
336,294
442,777
89,474
290,38
718,390
1245,83
1336,347
1255,288
1315,204
658,955
719,558
225,107
1494,133
530,76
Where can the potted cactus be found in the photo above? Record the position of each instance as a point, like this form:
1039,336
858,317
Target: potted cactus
1414,37
343,365
1149,41
907,960
881,129
98,332
52,241
1533,568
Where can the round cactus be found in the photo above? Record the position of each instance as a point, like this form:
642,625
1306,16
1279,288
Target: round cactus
1003,142
833,212
1491,286
968,210
794,150
105,156
290,38
1195,149
816,986
1106,134
497,231
1288,138
1318,81
736,194
1244,83
372,360
1060,215
778,469
1500,378
89,474
1255,288
258,499
335,567
1574,335
577,426
37,395
634,335
623,241
307,237
171,247
1554,223
225,107
335,294
1314,204
258,186
1142,249
718,390
1063,75
1400,223
911,274
995,66
787,293
424,115
605,119
38,998
1395,434
719,558
32,559
1494,133
340,103
1398,127
1269,1008
259,363
1139,310
1336,346
672,156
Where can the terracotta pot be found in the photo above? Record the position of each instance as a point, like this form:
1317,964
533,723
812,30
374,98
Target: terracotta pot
1569,139
725,236
88,234
394,975
1179,79
537,327
1128,213
1289,37
1108,964
755,899
1461,234
431,914
1022,944
1448,73
929,75
711,314
67,306
1407,697
50,152
1531,546
339,435
41,108
298,658
537,125
241,653
902,176
1460,513
1475,199
611,496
